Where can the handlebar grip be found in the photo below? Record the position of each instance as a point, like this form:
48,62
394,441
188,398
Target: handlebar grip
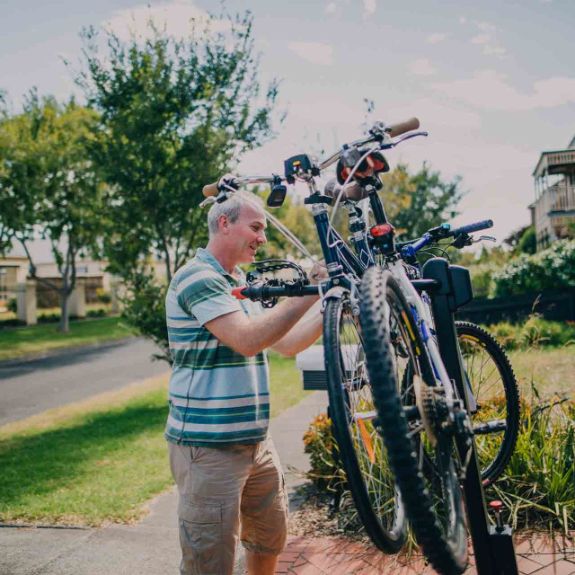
402,127
210,190
482,225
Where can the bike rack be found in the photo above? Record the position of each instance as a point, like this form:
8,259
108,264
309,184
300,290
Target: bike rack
492,545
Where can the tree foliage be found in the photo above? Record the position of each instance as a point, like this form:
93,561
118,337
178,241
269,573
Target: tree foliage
553,268
48,187
175,115
416,202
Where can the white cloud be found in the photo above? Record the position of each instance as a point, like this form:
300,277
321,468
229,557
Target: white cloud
436,38
480,39
490,90
487,38
435,116
176,16
314,52
422,67
331,8
462,20
369,7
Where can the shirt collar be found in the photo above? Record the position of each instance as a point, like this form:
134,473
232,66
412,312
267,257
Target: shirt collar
205,256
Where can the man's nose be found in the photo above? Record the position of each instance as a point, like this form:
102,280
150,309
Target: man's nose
262,238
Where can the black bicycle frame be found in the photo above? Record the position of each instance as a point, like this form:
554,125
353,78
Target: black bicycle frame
335,250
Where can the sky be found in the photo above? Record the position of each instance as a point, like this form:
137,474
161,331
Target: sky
492,81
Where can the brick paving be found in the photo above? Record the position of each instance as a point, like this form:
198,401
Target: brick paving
537,554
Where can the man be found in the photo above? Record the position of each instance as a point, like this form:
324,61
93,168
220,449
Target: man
223,461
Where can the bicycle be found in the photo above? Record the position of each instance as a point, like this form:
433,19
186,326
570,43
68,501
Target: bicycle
418,468
493,392
350,403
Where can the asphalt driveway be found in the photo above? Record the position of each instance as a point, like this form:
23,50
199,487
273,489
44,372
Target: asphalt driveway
29,387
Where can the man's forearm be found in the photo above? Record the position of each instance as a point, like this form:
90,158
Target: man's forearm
267,329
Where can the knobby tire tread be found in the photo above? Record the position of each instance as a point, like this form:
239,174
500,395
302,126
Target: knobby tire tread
382,539
445,558
494,470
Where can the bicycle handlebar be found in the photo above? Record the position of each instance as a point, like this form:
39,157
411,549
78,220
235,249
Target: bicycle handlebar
261,291
470,228
378,133
397,129
410,248
229,181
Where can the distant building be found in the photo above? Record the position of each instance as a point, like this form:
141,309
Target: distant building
553,211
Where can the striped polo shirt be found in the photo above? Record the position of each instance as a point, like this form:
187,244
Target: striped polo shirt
217,396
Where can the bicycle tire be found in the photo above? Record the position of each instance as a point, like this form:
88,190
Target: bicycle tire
361,449
495,390
426,476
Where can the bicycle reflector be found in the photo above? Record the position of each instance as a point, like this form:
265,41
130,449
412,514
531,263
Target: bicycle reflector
375,163
381,230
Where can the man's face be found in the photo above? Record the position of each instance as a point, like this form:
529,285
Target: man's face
247,233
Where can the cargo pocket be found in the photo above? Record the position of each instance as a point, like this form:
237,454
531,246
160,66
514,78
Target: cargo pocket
201,537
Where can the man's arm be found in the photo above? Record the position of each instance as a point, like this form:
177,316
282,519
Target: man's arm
250,335
304,333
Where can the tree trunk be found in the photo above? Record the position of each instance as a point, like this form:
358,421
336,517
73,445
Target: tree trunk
64,326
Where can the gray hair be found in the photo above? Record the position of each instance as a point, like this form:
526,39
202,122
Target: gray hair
231,209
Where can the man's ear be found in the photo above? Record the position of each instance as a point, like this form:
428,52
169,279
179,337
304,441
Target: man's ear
224,224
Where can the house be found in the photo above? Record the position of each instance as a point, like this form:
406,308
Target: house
553,211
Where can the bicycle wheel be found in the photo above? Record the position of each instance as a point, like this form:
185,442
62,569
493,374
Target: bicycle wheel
361,449
423,456
496,410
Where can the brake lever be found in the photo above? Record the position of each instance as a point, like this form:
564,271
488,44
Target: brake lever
487,238
402,138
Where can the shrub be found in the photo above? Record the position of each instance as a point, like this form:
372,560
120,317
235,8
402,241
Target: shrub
535,332
12,305
482,279
144,309
538,486
552,268
103,296
96,313
319,444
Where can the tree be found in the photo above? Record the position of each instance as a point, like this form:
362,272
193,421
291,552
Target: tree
415,203
175,115
522,240
48,187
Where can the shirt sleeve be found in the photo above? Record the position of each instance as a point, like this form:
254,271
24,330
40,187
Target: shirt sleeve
206,295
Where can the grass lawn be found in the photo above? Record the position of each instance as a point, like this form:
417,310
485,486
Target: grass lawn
16,342
101,459
550,370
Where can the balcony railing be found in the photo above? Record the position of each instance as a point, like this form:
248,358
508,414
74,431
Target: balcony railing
562,197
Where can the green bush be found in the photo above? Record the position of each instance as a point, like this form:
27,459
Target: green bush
12,305
144,309
538,486
482,278
103,296
96,313
319,444
535,332
552,268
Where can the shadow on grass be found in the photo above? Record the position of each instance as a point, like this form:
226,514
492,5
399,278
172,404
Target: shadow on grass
49,461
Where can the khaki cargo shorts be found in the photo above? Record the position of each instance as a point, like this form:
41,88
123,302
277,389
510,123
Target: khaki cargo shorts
224,494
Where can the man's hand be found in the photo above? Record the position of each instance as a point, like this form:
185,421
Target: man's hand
318,272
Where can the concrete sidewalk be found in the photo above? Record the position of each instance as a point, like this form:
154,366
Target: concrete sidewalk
151,546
